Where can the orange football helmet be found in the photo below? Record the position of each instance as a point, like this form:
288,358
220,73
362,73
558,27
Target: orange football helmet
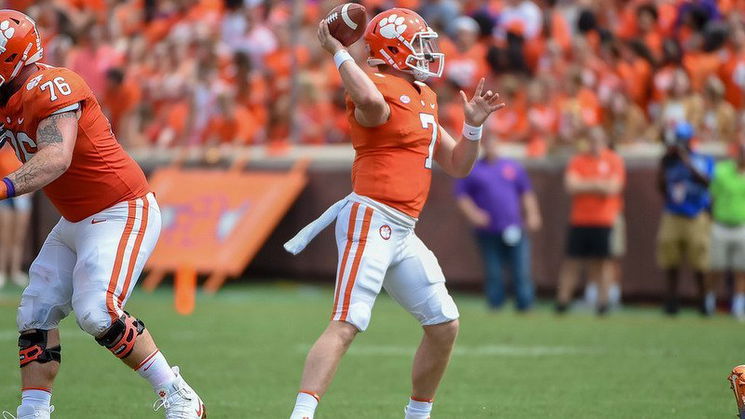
402,39
20,43
737,383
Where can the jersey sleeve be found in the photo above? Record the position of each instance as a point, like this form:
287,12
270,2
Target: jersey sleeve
54,91
386,87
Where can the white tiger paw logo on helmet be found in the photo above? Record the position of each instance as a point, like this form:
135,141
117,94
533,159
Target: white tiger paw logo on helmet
392,26
7,32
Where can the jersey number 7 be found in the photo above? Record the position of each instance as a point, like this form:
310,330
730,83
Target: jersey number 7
428,120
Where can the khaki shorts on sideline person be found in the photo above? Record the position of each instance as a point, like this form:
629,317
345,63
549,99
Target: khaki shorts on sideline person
683,239
618,238
727,247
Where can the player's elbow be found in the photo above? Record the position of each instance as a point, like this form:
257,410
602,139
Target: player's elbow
460,172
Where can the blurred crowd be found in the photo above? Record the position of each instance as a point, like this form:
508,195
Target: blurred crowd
191,72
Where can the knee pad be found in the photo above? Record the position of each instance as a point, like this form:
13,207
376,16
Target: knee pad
33,348
121,336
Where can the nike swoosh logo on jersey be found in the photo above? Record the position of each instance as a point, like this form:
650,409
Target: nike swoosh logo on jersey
97,221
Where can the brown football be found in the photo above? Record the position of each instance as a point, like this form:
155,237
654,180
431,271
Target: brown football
347,22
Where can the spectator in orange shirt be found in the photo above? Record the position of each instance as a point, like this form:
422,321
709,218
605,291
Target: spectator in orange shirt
595,179
625,122
698,62
647,19
578,108
543,118
719,119
732,71
121,102
232,124
466,60
510,125
662,81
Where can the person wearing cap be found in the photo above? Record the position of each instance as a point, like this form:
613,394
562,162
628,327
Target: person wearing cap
683,179
728,231
498,200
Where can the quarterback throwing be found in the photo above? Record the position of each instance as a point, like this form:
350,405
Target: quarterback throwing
397,139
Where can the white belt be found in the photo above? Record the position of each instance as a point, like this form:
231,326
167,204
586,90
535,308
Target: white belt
309,232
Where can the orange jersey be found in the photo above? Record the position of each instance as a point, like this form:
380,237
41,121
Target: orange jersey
393,162
101,173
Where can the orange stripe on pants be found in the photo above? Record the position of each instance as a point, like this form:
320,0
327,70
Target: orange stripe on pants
347,249
135,250
356,264
131,214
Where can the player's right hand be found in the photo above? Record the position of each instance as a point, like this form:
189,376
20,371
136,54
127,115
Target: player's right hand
328,42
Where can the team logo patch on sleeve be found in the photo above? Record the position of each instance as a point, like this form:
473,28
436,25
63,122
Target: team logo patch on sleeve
405,99
385,231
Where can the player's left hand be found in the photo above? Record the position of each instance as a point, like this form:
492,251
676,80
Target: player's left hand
481,105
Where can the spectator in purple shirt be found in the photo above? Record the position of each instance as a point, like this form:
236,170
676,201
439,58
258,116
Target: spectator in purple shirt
498,200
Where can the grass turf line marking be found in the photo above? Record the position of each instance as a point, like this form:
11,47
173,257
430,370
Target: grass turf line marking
463,350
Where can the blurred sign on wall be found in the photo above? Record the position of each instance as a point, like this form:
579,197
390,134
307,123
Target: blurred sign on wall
214,221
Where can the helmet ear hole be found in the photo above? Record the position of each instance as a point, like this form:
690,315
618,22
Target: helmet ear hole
11,58
393,49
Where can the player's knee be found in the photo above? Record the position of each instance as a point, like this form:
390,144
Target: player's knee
93,320
343,331
33,347
121,336
444,333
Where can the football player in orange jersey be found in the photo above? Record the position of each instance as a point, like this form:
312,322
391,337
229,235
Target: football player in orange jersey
110,223
396,137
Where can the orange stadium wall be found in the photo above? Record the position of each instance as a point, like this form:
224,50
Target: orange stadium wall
446,232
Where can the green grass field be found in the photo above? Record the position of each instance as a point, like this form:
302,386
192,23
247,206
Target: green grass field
243,350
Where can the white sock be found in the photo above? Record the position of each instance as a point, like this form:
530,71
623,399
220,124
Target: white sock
418,409
36,397
155,370
305,405
738,304
710,302
591,294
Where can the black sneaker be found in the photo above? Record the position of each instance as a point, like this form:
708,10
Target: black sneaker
561,308
602,310
671,308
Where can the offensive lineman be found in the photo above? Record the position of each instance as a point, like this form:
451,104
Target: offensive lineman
110,223
396,136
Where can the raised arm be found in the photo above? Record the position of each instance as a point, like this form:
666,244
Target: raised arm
457,157
55,139
370,106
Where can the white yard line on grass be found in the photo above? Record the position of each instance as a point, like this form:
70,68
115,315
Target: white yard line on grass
472,350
